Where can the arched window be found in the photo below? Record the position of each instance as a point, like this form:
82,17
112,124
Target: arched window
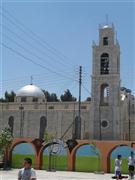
105,41
11,123
43,124
104,98
104,63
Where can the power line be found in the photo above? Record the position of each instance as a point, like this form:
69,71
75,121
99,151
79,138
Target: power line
30,44
30,52
33,35
33,74
30,60
86,90
7,84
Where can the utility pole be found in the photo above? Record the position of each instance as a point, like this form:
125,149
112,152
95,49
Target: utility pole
129,118
79,101
21,120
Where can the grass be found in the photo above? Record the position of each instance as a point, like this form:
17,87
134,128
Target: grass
85,164
17,160
58,162
124,166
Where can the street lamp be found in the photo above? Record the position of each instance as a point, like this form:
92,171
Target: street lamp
129,118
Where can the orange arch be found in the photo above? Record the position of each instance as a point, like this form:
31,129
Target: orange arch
22,140
105,148
73,153
40,156
109,153
19,141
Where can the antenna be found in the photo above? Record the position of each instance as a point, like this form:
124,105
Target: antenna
31,80
106,16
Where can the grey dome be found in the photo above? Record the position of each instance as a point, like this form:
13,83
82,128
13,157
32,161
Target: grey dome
30,91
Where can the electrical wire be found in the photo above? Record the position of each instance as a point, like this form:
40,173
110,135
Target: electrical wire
30,60
33,35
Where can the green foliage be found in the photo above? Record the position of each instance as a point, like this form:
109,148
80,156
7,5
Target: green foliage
1,155
53,97
86,164
17,160
9,97
88,99
2,100
124,167
5,139
67,96
50,97
48,137
58,162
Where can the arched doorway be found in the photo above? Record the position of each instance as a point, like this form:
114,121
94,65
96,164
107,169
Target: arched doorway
125,152
88,158
21,151
58,160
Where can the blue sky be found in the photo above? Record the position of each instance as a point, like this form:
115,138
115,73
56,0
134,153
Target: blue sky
66,30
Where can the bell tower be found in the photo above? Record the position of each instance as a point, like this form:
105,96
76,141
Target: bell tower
105,111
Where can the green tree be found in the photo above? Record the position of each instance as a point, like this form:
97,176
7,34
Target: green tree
88,99
6,139
53,98
67,96
50,97
8,97
2,100
48,137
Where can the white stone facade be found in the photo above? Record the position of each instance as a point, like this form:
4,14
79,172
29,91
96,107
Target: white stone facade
60,116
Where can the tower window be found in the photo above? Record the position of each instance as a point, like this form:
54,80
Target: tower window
104,98
104,63
105,41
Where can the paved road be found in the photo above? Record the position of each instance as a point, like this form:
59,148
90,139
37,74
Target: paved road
58,175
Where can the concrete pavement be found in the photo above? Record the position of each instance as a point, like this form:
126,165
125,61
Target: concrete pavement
58,175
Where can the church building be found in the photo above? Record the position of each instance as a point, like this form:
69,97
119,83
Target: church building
110,115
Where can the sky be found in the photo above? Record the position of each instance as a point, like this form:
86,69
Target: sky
49,40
